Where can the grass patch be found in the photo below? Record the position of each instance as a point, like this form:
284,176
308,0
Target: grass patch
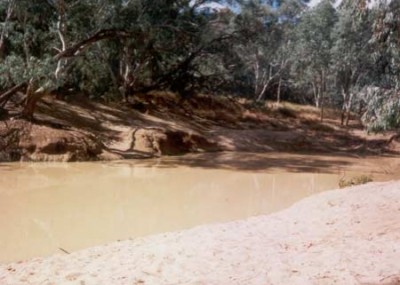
358,180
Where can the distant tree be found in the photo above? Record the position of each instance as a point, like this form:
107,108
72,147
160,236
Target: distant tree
383,97
112,49
386,44
351,56
312,60
261,45
85,45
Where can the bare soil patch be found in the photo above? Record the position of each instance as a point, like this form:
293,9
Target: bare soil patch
161,123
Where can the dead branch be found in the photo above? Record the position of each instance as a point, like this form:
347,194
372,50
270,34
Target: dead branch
10,92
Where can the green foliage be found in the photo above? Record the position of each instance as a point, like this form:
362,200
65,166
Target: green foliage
314,41
385,42
12,71
312,58
324,55
16,71
382,109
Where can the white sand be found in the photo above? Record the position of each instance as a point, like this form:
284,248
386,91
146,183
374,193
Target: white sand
348,236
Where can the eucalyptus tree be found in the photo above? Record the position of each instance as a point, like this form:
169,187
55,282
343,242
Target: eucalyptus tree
383,98
152,44
8,8
382,111
92,45
312,46
26,47
386,44
351,60
40,30
259,41
260,46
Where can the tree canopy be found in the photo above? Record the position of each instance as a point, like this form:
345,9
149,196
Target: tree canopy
344,56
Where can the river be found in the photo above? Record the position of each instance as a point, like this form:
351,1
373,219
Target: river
48,208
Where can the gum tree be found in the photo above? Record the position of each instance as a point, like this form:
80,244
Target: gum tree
312,51
350,56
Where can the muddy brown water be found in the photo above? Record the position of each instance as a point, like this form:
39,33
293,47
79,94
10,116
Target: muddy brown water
48,208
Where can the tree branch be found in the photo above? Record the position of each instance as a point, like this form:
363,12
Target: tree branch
10,92
77,48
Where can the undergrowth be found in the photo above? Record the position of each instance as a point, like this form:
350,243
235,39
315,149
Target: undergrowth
357,180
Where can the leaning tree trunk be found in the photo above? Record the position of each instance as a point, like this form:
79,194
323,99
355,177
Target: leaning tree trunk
33,95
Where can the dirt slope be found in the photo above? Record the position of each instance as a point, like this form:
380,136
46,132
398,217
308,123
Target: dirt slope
162,124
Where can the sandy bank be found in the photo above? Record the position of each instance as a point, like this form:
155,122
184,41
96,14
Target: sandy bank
348,236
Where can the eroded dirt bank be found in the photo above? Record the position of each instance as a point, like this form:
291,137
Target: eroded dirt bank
161,124
348,236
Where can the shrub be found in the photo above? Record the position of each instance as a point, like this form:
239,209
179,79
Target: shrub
358,180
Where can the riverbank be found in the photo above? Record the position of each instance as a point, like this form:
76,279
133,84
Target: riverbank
161,124
348,236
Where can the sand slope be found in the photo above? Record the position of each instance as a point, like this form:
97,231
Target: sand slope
348,236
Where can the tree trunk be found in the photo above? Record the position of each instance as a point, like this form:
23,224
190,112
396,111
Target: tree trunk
316,94
322,93
33,96
25,44
322,107
104,58
346,107
79,47
126,84
31,103
349,105
343,114
10,10
260,96
278,95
